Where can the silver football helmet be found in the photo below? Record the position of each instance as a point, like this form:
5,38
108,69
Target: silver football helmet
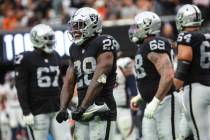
146,23
188,16
85,23
43,37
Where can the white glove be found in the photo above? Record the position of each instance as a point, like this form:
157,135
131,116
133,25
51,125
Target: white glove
151,108
28,119
93,109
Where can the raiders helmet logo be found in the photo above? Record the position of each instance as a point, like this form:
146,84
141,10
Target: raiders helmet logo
147,22
94,18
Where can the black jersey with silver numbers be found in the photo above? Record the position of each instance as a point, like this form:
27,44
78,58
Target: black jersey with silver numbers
199,70
147,76
84,59
37,77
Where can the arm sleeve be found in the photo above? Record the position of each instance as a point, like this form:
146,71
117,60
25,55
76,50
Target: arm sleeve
131,85
22,81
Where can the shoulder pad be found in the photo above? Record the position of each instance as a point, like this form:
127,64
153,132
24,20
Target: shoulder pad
107,43
21,57
159,44
184,38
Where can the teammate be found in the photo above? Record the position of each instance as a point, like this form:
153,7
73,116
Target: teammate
192,71
153,63
37,75
125,86
12,105
93,65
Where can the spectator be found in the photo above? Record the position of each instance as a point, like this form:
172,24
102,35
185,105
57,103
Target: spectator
113,9
10,20
129,9
145,5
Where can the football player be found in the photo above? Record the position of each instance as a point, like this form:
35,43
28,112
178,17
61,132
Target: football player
153,63
37,76
192,71
93,66
125,86
12,105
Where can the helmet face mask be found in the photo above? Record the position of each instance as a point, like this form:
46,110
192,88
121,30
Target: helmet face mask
84,24
188,16
147,24
43,38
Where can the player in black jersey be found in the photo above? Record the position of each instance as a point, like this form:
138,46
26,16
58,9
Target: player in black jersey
153,63
193,69
92,70
37,76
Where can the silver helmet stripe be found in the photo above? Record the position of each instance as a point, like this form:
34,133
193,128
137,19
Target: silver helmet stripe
196,12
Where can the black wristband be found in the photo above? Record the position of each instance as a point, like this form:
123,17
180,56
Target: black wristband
182,69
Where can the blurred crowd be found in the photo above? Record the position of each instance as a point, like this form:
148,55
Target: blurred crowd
19,14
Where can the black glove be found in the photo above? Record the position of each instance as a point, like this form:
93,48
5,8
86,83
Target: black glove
62,116
77,114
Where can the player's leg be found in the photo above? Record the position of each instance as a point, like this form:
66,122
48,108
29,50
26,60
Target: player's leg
81,131
149,129
60,131
41,126
124,123
164,122
100,130
183,130
198,96
13,122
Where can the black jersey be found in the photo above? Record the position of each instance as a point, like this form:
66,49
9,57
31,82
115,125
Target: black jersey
84,59
37,82
147,76
199,70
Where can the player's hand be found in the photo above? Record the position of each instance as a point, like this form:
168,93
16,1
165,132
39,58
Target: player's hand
77,114
134,103
62,116
151,108
28,119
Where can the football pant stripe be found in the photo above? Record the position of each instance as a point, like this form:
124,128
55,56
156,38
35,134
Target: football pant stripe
107,130
191,112
172,116
30,133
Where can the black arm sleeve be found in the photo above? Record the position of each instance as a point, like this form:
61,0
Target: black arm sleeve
22,81
131,84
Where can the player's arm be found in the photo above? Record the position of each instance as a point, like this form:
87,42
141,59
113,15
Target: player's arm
21,81
104,66
165,69
184,57
67,91
128,72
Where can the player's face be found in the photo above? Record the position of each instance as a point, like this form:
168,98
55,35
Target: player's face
76,29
